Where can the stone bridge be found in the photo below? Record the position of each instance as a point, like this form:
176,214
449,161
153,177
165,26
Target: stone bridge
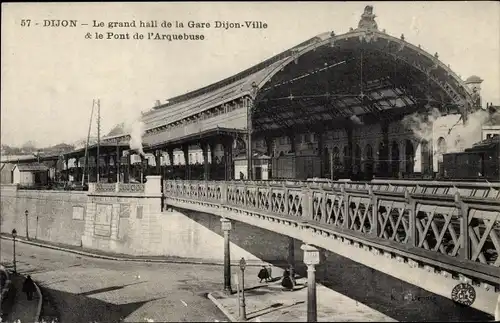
431,234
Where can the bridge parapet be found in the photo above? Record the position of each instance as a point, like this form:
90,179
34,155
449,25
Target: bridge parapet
454,226
116,187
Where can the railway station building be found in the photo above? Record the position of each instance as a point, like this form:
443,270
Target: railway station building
357,105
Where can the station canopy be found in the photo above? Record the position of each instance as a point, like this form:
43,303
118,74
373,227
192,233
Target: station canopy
364,76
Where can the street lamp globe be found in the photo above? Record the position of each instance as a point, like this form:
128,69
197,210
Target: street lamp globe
243,263
14,233
311,255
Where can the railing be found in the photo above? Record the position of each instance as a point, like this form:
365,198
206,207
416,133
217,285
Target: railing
454,224
116,188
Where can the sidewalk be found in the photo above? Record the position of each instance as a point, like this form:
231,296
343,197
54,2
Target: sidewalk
269,303
22,309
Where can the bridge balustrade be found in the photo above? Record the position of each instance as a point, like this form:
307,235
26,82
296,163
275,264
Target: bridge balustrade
454,226
116,187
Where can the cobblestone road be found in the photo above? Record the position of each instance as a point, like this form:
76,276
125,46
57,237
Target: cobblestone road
88,290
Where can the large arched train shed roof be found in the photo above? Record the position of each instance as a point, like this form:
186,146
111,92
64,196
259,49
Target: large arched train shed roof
324,81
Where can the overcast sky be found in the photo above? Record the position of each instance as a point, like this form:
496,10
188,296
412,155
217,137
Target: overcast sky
51,75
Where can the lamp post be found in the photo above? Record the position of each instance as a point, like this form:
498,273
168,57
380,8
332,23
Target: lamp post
27,233
36,232
243,314
311,259
226,227
14,235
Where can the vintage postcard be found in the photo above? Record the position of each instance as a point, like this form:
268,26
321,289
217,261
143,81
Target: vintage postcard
250,161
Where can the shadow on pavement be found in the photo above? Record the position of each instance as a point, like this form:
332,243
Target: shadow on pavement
8,303
76,308
270,309
108,289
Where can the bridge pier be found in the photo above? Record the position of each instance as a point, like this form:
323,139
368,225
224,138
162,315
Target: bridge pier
226,227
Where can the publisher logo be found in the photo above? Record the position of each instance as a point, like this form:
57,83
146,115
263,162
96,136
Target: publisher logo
463,294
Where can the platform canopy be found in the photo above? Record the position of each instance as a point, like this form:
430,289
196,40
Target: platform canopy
364,76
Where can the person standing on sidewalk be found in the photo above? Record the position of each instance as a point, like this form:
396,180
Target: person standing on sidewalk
29,287
286,282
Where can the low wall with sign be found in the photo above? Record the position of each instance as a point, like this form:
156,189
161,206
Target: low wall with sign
56,216
122,219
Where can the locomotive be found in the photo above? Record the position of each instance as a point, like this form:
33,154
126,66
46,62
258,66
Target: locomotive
480,162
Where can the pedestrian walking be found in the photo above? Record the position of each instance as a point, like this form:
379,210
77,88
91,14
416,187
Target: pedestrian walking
263,274
270,272
286,282
29,287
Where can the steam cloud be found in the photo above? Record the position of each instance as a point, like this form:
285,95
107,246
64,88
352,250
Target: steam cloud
421,125
460,137
136,128
136,133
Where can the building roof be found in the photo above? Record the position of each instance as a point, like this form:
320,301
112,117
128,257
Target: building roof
326,81
6,166
32,168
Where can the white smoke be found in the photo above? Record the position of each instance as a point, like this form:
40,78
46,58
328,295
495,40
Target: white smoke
421,124
136,133
135,127
459,135
469,133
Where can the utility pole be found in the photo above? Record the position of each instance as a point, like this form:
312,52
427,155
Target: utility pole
86,166
98,159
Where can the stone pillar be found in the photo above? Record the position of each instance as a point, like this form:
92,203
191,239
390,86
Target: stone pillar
226,228
185,150
206,165
152,189
311,259
228,158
